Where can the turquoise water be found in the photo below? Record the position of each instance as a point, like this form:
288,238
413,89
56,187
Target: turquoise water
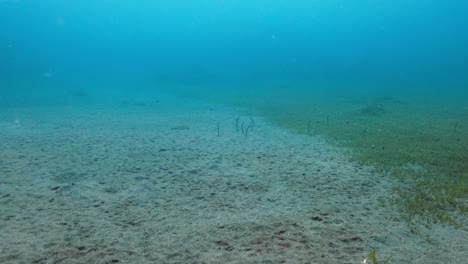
358,47
123,131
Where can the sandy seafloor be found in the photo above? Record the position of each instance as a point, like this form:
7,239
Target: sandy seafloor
152,182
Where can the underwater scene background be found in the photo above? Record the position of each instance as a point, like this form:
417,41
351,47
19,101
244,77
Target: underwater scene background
308,131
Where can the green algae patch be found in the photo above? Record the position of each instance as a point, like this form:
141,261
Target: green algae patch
426,146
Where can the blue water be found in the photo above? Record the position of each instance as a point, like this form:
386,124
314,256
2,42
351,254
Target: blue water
354,46
121,120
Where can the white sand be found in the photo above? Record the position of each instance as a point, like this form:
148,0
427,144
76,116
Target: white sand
131,184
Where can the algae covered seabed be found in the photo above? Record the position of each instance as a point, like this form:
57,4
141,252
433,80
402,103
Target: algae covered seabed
151,181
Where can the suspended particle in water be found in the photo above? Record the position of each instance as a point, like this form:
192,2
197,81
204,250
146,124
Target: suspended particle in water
60,22
47,74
